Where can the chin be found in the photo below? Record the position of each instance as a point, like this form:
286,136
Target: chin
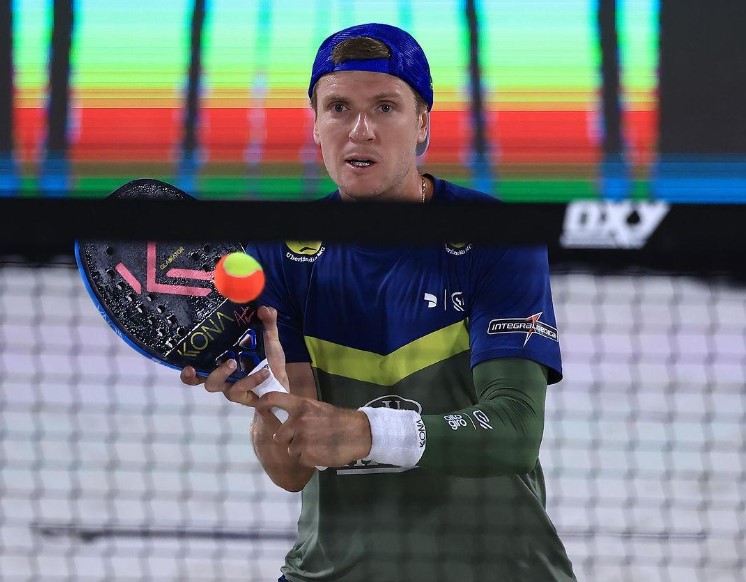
360,195
360,190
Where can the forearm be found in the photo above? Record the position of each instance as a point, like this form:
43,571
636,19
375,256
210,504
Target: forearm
499,436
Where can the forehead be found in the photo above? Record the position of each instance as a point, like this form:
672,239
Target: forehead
362,84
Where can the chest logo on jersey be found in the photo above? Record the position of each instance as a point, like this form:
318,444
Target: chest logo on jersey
528,325
457,300
304,251
395,402
457,249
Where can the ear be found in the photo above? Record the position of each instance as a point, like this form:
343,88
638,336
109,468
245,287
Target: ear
316,138
423,124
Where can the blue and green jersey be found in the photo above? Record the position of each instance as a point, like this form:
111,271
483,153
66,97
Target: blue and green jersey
403,328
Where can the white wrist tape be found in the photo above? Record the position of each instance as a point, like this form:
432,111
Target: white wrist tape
270,385
399,436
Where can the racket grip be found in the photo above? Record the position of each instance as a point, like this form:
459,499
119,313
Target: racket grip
280,414
270,385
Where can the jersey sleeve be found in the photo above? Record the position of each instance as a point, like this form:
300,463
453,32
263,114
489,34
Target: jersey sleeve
501,435
282,294
511,310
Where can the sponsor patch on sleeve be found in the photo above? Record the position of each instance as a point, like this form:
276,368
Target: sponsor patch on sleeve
529,325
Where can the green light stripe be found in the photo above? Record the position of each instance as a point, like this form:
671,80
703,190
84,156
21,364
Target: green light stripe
387,370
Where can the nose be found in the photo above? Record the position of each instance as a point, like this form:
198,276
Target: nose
362,129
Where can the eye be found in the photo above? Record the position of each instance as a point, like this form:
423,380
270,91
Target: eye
386,107
338,107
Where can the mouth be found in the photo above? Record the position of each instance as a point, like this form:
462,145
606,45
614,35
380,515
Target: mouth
359,163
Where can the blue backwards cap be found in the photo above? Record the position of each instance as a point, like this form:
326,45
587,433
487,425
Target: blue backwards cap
407,60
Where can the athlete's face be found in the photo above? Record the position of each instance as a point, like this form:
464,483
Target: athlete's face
368,127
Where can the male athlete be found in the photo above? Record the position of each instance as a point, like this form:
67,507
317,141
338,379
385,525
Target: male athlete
416,376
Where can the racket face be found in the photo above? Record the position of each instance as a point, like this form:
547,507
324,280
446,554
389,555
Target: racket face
160,299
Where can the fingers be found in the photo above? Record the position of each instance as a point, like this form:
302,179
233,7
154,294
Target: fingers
189,377
216,381
287,402
292,435
287,437
240,391
272,347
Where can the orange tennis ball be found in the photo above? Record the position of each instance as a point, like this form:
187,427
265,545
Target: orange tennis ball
239,277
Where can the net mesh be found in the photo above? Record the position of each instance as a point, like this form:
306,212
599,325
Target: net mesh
111,469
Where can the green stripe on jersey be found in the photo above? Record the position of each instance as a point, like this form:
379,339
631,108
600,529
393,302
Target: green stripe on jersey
387,370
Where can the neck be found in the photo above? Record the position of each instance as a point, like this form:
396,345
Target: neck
416,188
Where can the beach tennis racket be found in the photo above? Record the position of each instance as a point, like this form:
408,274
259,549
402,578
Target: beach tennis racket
160,299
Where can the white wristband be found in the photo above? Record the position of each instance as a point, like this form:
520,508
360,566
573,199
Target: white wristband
270,385
398,436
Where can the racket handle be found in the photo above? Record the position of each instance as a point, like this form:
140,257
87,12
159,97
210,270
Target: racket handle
269,385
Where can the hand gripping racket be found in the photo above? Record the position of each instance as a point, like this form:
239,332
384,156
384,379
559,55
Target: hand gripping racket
159,297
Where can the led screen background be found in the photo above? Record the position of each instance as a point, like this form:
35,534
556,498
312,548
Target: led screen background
541,72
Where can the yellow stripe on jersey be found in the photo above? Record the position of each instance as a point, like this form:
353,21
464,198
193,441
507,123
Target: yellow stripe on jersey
389,369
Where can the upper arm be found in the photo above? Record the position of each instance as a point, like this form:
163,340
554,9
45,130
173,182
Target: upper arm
511,314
